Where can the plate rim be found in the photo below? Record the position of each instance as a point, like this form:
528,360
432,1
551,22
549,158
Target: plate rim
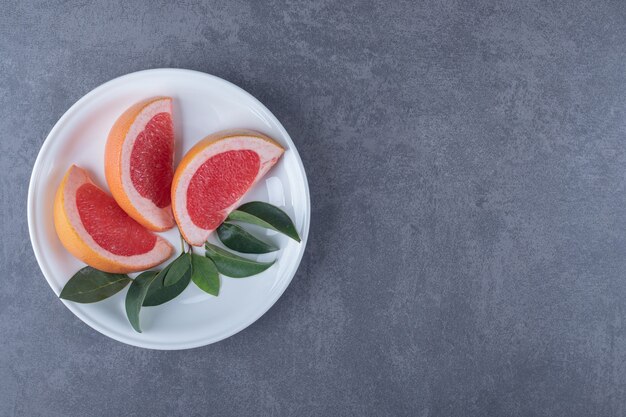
32,224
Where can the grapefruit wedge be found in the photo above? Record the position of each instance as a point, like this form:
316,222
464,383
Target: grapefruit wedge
139,162
213,177
93,228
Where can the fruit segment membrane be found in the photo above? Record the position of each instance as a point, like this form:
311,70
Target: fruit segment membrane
109,225
151,167
218,183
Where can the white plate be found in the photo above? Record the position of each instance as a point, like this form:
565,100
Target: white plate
202,104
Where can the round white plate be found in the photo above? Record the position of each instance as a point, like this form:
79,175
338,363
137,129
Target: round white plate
203,104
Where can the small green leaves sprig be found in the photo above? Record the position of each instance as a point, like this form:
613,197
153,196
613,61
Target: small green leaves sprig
153,288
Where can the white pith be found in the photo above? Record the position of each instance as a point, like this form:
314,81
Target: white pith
77,178
268,155
160,217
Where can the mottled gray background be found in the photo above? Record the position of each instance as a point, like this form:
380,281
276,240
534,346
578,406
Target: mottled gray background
467,167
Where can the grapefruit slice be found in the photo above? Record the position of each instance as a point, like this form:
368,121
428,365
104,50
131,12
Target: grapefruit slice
213,177
94,229
139,162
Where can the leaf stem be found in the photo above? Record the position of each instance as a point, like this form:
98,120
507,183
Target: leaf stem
182,243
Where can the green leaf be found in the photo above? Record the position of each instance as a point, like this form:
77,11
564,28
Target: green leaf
159,293
177,269
232,265
136,296
267,216
90,285
204,274
235,238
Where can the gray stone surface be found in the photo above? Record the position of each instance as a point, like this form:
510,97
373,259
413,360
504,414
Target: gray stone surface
467,167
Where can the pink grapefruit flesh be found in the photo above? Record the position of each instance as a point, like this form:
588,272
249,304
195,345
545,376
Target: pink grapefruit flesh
151,169
109,225
218,183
